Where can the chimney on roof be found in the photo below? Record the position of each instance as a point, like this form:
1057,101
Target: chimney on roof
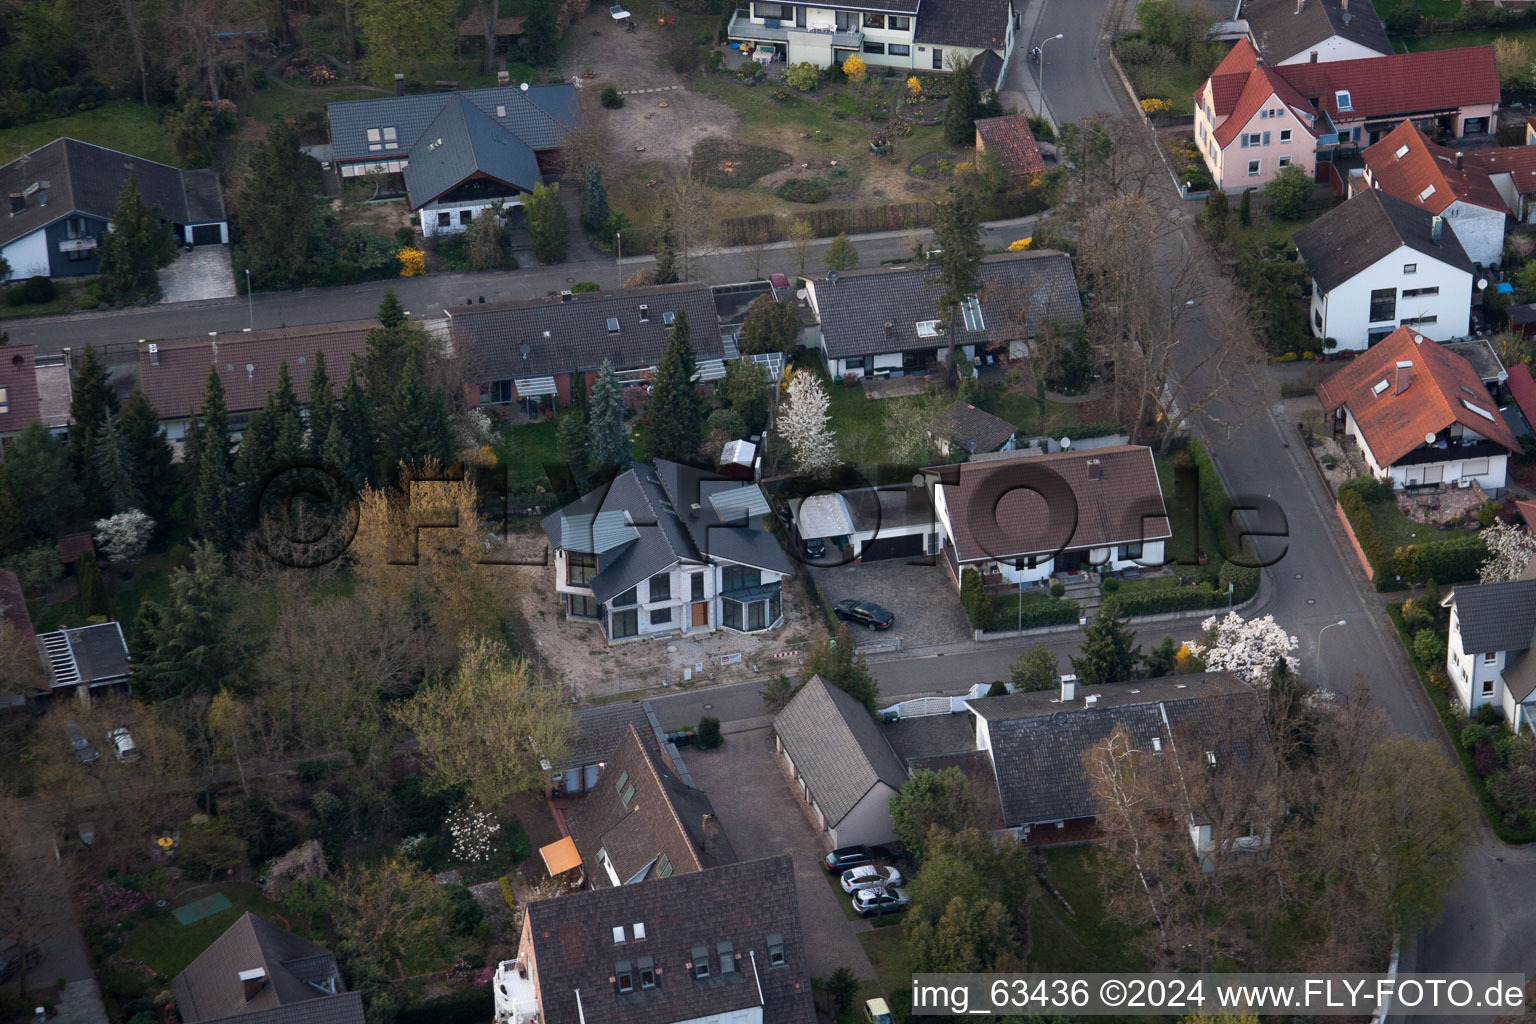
1299,5
1404,374
1068,688
1459,157
251,982
154,354
399,84
1344,11
1095,469
711,838
18,202
565,295
504,79
1436,225
890,329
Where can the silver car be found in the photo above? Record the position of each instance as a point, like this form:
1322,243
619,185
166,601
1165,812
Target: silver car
868,875
871,902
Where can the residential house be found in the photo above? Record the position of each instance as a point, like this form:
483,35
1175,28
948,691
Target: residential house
174,373
85,659
885,321
63,196
1512,169
1420,415
1442,183
720,946
1314,31
258,973
20,404
1032,517
1489,657
599,730
885,33
1377,264
972,430
839,763
529,352
1253,119
1009,140
23,676
643,821
1207,730
1527,510
669,549
1522,392
869,524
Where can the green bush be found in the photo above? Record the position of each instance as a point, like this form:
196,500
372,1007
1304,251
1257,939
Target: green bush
1475,735
802,190
611,98
13,296
1137,601
1370,489
707,736
1033,609
582,287
89,297
1110,585
1428,648
973,596
38,290
314,771
1058,590
464,914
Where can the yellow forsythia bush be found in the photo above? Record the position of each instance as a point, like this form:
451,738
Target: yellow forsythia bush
1020,244
855,68
914,86
413,262
1153,105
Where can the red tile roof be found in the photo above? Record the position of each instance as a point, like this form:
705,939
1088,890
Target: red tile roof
248,365
1263,85
1443,388
72,545
1405,83
23,640
1523,389
1009,139
1405,164
18,376
1240,60
1519,162
1527,510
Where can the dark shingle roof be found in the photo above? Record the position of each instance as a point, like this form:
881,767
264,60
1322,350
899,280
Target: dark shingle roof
540,117
1038,743
973,24
663,817
1281,31
742,904
460,142
174,385
1497,616
1351,238
973,429
574,335
855,310
18,376
210,988
97,654
600,729
837,747
83,178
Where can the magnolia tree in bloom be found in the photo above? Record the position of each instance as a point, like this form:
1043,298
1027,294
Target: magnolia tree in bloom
1246,648
1510,550
803,424
472,830
125,536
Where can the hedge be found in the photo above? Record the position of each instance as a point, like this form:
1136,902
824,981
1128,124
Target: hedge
1213,497
1449,560
1038,610
472,1006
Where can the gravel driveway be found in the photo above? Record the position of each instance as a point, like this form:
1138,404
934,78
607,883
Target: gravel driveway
925,603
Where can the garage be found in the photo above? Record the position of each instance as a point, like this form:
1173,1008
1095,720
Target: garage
893,547
207,234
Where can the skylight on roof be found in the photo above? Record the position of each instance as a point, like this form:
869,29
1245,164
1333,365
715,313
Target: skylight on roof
1402,151
1379,387
927,328
1343,100
1484,413
668,317
613,325
1429,190
970,309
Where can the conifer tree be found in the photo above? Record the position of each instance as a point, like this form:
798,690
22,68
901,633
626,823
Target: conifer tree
153,461
674,414
184,647
666,249
595,210
355,418
216,520
572,441
93,588
1109,651
91,399
287,423
115,469
276,215
322,405
960,110
391,312
609,447
417,426
390,350
137,246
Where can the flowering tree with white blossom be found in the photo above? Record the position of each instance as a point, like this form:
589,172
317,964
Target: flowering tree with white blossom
803,425
1246,648
125,536
472,830
1510,550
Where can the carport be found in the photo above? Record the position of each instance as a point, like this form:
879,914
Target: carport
875,523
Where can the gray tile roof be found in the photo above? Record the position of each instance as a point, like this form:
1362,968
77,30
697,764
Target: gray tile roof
973,24
1354,236
574,335
1038,743
1280,31
460,142
1520,675
855,310
210,988
837,747
600,729
973,429
743,904
540,117
663,817
83,178
1496,616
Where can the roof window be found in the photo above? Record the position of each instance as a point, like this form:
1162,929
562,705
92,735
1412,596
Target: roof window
647,967
623,974
645,313
613,325
1402,151
970,309
1343,101
501,111
775,950
1379,387
623,778
700,962
663,866
618,934
1484,413
1429,190
727,954
927,328
668,317
639,930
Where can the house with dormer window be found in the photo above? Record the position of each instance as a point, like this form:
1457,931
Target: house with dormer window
1489,657
258,972
720,946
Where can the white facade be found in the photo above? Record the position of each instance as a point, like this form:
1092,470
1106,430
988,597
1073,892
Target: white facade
1479,230
669,604
28,256
451,218
1331,49
1486,471
888,363
1478,679
823,36
1432,297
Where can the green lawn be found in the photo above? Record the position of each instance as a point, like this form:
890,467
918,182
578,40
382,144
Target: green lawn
1397,530
168,946
151,580
1429,8
1192,529
887,951
122,125
1095,939
1177,85
63,302
526,451
274,101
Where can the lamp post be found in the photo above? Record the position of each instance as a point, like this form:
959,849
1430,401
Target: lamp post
1320,633
1059,35
250,305
618,240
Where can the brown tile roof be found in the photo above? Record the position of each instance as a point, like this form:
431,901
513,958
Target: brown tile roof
1443,389
742,910
1527,510
73,545
1522,388
1400,85
994,513
1010,140
1519,162
1229,78
18,376
965,424
175,386
210,988
641,812
1407,165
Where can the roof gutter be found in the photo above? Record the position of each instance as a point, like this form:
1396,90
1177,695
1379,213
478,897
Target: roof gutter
753,953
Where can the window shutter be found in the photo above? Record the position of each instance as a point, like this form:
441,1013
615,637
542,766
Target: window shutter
1266,138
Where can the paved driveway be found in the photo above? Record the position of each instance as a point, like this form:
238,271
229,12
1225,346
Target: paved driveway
763,819
925,602
203,273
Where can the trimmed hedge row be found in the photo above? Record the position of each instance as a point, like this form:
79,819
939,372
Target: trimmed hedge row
1214,500
1245,583
1447,561
1039,610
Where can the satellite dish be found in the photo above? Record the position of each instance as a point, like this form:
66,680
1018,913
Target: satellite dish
1482,284
800,294
525,348
524,87
832,277
1429,438
1066,443
250,368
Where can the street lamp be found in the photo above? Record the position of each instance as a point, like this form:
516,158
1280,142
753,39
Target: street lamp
250,306
1059,35
618,240
1320,633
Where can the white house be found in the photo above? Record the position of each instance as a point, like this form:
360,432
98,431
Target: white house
1421,415
1441,182
1378,263
1032,517
667,550
887,33
1489,659
1314,31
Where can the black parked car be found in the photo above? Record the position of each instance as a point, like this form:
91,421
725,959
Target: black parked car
845,857
864,613
815,548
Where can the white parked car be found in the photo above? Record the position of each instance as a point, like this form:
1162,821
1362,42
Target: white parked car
122,745
869,876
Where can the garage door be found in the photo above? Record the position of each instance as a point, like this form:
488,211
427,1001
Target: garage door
207,234
894,547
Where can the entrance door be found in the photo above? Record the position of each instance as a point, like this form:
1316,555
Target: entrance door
701,614
1071,561
938,59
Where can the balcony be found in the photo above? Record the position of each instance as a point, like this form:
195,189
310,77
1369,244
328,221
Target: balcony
516,1001
78,244
774,31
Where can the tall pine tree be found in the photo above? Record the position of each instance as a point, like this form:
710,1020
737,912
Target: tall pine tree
154,470
115,468
217,522
355,418
417,428
1109,653
91,399
137,246
608,451
595,200
391,349
666,249
322,405
674,414
964,102
93,588
391,312
276,215
957,234
184,646
288,422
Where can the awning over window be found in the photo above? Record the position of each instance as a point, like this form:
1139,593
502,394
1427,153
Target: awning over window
533,387
710,369
560,857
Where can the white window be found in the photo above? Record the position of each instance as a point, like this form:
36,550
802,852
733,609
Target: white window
1253,168
1487,687
1428,191
1474,468
1343,100
927,328
1491,658
5,401
639,930
1410,268
1402,151
1285,135
618,934
1285,161
374,135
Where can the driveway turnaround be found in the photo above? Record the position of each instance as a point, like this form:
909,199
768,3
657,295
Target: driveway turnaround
763,819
